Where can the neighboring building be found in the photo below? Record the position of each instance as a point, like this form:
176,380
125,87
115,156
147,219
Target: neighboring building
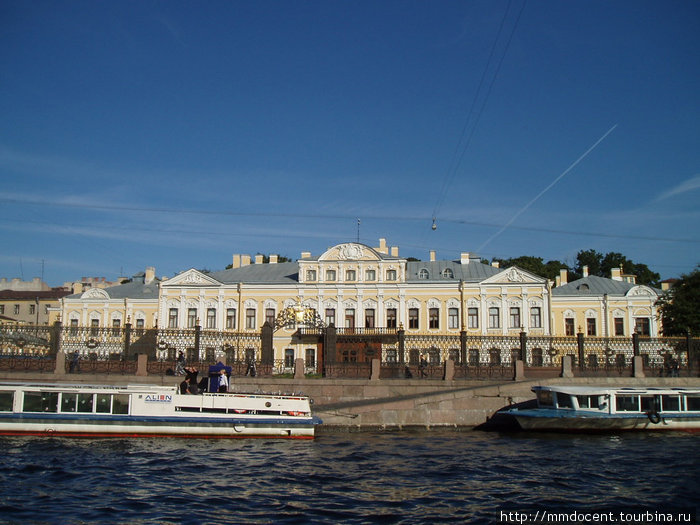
86,283
135,301
17,285
600,307
30,307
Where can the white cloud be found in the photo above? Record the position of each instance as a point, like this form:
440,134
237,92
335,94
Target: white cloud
686,186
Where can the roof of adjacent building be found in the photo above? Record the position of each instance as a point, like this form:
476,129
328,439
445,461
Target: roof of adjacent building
134,289
32,295
594,285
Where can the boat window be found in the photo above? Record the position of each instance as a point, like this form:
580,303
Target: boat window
564,400
545,398
68,402
104,403
651,403
40,402
692,403
587,401
671,403
627,403
120,404
6,401
85,402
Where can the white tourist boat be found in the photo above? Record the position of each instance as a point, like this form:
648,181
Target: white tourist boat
598,409
143,410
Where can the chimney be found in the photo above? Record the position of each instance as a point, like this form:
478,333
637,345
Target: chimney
616,274
432,255
665,286
464,258
259,258
496,264
306,255
150,275
245,260
394,251
236,260
563,276
382,246
585,270
273,259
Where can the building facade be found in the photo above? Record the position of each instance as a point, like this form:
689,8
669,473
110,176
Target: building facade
359,289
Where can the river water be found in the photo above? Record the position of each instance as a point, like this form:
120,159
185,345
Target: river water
383,477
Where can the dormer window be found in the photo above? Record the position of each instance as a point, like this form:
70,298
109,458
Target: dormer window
447,273
584,287
423,274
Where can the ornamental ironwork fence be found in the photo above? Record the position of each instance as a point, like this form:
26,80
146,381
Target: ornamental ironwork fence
348,354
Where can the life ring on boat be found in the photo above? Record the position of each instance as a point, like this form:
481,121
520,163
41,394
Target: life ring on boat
654,417
240,411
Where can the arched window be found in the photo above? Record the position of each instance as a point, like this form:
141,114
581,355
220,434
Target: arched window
447,273
423,274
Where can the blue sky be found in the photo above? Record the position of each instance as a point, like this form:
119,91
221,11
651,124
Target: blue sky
175,134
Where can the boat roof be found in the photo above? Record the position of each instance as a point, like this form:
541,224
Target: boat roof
589,390
84,386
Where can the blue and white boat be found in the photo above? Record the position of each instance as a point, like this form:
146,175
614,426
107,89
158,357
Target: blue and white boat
143,410
600,409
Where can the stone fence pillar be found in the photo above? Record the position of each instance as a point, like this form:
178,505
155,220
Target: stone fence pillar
60,369
142,365
519,370
299,368
376,367
566,368
449,370
638,366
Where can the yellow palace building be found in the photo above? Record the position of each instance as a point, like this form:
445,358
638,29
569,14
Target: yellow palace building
366,290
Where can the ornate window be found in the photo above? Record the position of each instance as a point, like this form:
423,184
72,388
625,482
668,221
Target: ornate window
230,318
391,317
473,317
172,318
330,316
369,318
250,318
371,275
191,317
350,275
535,317
211,317
494,317
591,326
413,318
310,275
349,318
330,275
391,275
514,317
434,318
453,318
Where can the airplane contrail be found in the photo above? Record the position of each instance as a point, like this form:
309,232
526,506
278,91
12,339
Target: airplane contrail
524,208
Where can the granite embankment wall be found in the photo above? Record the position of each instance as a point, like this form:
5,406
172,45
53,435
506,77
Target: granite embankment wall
357,405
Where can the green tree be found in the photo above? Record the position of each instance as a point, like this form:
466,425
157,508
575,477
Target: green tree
590,258
680,306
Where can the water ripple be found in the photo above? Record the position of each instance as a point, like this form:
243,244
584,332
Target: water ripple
401,478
